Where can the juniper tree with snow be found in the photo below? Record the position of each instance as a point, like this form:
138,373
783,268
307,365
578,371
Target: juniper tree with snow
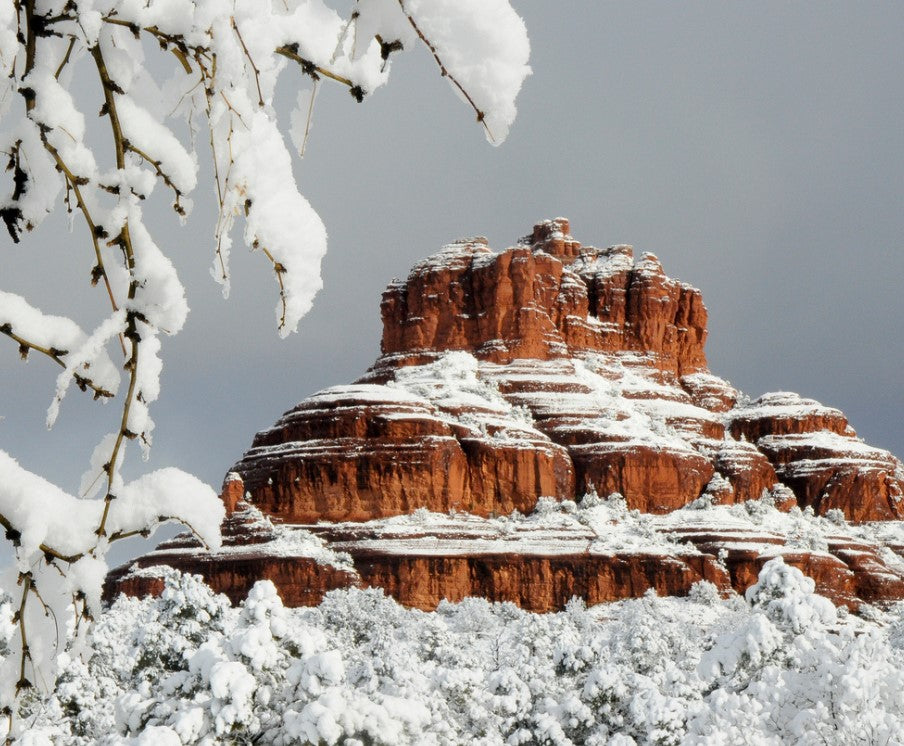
187,668
222,61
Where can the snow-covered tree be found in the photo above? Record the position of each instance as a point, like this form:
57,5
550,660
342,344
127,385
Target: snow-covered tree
166,75
188,668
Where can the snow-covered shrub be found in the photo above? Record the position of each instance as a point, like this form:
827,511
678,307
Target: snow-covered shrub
795,669
362,669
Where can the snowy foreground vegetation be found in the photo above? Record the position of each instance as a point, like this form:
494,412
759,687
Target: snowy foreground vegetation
779,666
106,102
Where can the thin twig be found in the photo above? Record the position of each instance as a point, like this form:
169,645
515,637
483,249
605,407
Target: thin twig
232,109
65,61
481,116
83,382
310,68
30,48
224,274
145,532
109,90
341,40
120,436
307,124
161,174
257,73
23,683
100,270
173,42
207,77
279,269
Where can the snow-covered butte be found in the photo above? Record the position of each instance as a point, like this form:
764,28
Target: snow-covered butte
542,424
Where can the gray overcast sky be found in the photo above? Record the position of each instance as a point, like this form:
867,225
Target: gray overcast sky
757,148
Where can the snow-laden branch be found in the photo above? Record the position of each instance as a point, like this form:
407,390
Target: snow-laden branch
225,59
84,359
45,519
56,559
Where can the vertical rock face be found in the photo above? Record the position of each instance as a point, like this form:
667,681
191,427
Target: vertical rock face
549,300
554,370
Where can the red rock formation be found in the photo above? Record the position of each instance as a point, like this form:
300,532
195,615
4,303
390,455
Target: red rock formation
233,492
303,581
546,370
818,455
528,303
847,571
252,549
652,480
746,470
366,451
538,563
533,582
538,566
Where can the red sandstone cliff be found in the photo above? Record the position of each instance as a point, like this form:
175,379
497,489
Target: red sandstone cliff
548,300
550,370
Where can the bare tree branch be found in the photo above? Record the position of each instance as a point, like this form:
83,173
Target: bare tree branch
96,232
174,43
25,654
309,68
257,73
481,116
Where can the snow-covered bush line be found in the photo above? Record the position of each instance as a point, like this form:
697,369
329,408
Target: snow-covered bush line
781,666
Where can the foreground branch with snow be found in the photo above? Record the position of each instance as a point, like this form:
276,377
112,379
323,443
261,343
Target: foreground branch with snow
225,59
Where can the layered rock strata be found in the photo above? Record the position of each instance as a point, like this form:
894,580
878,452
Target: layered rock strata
598,550
253,548
816,453
553,370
